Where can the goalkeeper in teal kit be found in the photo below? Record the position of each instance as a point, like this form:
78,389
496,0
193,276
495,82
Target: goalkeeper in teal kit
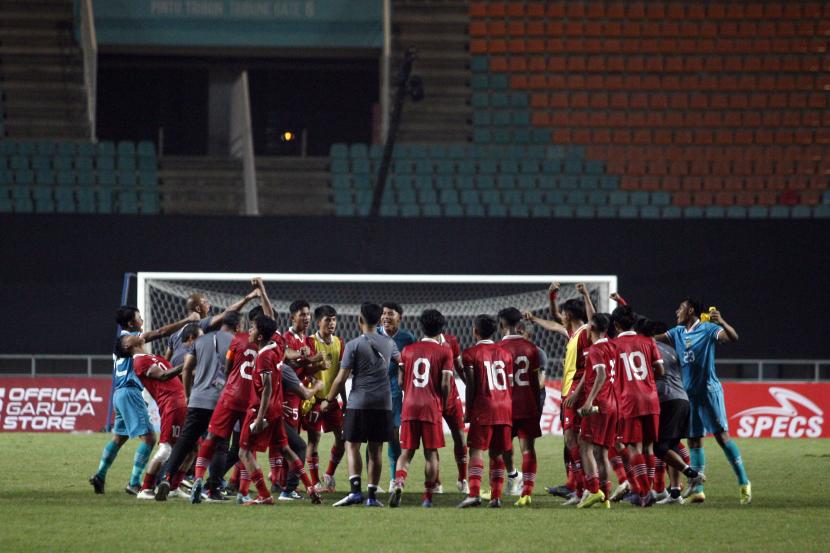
695,340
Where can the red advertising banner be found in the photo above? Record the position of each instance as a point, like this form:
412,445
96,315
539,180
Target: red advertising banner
53,404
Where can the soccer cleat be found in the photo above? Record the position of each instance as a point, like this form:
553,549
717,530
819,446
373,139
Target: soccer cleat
242,499
621,491
275,488
470,501
672,501
695,483
514,485
181,493
661,496
524,501
395,496
145,494
162,490
438,489
315,497
97,483
590,500
351,499
215,497
329,484
632,498
463,486
697,497
560,491
132,489
574,499
286,496
495,503
426,504
485,494
260,501
187,483
372,503
196,491
746,493
647,500
606,504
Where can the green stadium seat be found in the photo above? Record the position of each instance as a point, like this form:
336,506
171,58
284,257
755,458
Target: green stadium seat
125,163
18,162
485,182
6,177
431,210
66,148
500,118
453,210
24,176
539,136
479,64
41,162
540,211
529,167
148,178
341,182
338,151
147,163
515,210
362,182
499,100
344,210
821,211
512,197
423,182
584,212
519,100
465,167
779,212
526,182
609,182
437,151
42,196
363,197
499,81
480,100
86,200
128,202
568,182
638,197
671,212
474,210
342,197
714,212
502,136
597,198
146,149
403,182
23,205
87,149
457,151
693,212
607,212
552,167
521,117
758,212
126,179
106,149
358,151
6,205
84,163
375,151
650,212
389,210
590,182
521,136
470,197
496,210
504,181
801,212
410,210
660,198
46,177
572,166
105,178
555,197
427,197
532,197
26,148
480,82
736,212
339,166
61,163
443,182
618,198
489,197
126,148
404,167
360,166
444,167
825,198
406,196
103,200
509,167
424,167
464,182
7,147
593,167
547,182
105,163
64,201
488,167
563,212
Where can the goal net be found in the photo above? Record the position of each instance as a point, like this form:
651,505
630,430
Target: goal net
162,297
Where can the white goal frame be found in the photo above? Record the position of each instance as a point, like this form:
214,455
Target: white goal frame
142,278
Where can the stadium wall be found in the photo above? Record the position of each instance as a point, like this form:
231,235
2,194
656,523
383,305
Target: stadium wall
61,275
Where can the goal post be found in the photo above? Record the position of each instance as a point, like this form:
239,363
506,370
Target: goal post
161,297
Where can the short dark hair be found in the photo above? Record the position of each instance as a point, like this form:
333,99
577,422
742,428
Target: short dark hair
624,316
266,326
190,331
119,350
371,313
232,319
297,305
510,316
695,304
485,326
393,306
575,309
324,311
601,322
432,322
125,314
255,312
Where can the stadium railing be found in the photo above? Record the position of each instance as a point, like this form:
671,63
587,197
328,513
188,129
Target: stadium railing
55,365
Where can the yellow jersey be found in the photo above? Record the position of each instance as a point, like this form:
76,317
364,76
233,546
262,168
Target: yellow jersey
332,353
575,353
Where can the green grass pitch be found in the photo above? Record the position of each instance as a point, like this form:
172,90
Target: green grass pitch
46,504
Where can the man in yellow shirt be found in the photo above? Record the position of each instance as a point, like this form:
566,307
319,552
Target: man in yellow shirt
315,421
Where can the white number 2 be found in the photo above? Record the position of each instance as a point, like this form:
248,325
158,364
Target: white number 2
243,368
635,365
520,376
496,377
420,373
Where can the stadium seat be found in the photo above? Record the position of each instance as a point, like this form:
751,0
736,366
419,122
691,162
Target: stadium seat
410,210
496,210
453,210
431,210
563,212
358,151
106,149
127,202
126,149
146,149
338,151
540,211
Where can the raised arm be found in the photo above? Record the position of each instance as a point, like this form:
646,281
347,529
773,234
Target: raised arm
728,334
553,326
167,330
216,320
267,308
586,297
553,293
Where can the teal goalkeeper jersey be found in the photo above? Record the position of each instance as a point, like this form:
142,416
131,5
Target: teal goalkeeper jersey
696,352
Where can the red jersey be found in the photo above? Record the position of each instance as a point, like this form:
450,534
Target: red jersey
237,391
424,364
296,341
582,345
602,354
450,341
168,394
637,391
526,362
268,360
493,373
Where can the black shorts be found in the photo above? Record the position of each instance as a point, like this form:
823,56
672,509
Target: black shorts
674,420
367,425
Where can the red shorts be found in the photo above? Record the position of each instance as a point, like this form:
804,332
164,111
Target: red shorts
273,434
527,428
223,420
414,432
642,429
490,436
600,429
454,415
172,421
570,419
330,421
291,411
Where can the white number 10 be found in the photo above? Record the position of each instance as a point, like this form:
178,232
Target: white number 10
496,377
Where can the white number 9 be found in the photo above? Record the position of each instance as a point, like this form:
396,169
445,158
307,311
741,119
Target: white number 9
420,373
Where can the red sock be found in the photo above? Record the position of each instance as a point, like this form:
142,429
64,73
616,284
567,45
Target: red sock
528,472
592,483
299,469
626,459
400,477
617,465
428,486
313,461
606,488
204,457
259,481
571,483
496,477
149,481
235,474
659,476
650,464
579,474
461,461
476,472
275,460
244,481
640,472
336,456
684,453
176,481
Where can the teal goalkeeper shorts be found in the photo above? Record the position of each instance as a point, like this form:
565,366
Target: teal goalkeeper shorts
131,418
707,413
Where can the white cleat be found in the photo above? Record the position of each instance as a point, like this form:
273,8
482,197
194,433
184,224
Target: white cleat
575,499
463,486
438,489
658,497
621,491
514,485
329,483
146,494
672,501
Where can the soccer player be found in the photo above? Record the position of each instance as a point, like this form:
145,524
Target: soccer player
425,375
527,410
369,408
454,417
204,379
160,379
489,376
598,429
131,418
331,348
695,343
638,360
390,325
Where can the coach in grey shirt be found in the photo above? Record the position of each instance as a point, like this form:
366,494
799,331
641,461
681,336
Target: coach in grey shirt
369,406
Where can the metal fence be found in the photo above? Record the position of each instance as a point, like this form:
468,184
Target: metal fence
728,369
